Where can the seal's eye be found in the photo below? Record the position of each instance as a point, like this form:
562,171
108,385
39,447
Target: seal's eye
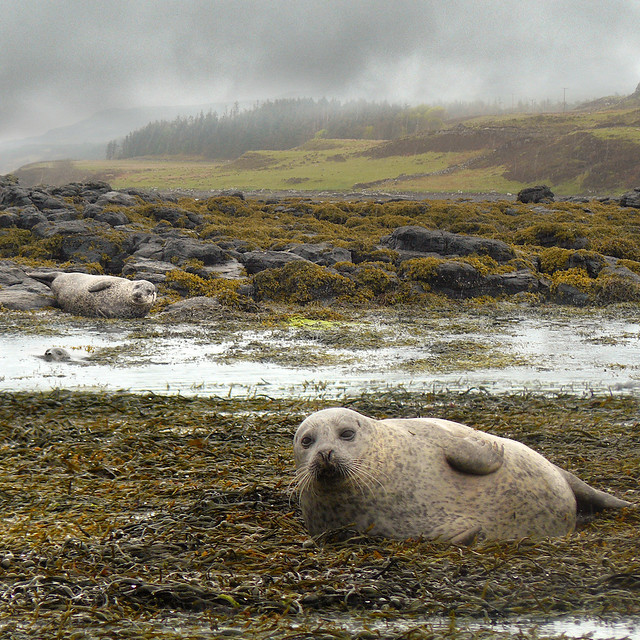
347,434
306,442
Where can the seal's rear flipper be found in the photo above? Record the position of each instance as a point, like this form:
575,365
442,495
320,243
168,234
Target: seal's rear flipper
590,500
46,277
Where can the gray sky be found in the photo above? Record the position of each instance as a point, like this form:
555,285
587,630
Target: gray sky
62,60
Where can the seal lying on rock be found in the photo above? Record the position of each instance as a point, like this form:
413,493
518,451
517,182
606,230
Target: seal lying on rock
431,478
99,296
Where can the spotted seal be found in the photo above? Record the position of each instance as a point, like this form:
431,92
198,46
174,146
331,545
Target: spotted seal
99,296
56,354
431,478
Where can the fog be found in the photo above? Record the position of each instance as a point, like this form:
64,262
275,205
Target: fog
61,61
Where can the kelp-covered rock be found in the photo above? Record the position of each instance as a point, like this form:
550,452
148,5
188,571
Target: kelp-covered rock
323,254
540,193
302,282
414,238
631,199
395,252
257,261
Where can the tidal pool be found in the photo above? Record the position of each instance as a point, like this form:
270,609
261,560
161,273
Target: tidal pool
569,352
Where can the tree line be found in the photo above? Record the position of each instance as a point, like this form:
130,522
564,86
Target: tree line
278,124
288,123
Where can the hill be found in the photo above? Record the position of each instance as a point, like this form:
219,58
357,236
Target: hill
583,151
86,139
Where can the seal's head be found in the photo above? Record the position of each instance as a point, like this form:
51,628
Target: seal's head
56,354
143,292
330,449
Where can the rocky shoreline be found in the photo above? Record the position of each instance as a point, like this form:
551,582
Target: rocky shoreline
309,251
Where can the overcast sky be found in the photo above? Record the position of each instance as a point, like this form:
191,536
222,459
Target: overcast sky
62,60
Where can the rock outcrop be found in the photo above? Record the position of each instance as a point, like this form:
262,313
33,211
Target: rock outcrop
92,228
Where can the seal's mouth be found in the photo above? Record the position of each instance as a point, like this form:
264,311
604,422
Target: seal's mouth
144,298
327,469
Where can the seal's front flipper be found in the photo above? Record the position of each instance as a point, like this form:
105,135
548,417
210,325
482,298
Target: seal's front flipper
99,286
590,500
475,455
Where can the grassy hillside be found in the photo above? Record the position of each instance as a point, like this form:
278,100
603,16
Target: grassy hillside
579,152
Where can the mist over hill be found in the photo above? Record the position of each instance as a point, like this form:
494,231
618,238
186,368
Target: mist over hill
88,138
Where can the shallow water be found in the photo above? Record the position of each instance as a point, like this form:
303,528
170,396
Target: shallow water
570,354
580,353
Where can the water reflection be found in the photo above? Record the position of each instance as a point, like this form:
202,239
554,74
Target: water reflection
525,353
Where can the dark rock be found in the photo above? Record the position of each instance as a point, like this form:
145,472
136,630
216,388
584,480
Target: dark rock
18,299
20,292
255,261
198,306
43,201
540,193
91,191
145,245
14,196
181,249
512,283
176,217
592,263
112,218
89,248
8,180
231,269
444,243
568,294
8,219
145,269
48,229
116,198
620,271
631,199
323,254
452,277
60,215
30,217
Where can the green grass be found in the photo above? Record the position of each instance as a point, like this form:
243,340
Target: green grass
586,152
338,169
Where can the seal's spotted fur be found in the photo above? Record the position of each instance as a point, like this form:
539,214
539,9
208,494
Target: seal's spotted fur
84,294
408,478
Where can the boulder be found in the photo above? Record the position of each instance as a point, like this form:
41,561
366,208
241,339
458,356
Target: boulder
145,269
116,198
18,299
256,261
454,278
8,219
568,294
514,282
540,193
631,199
20,292
176,217
443,243
179,250
197,306
323,254
43,201
14,196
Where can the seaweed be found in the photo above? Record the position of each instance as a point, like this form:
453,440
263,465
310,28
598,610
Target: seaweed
165,516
